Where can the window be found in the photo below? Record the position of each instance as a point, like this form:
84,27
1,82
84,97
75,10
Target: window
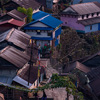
91,27
97,13
38,32
87,15
65,22
82,16
92,14
49,33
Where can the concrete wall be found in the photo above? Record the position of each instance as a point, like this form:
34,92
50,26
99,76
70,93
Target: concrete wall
71,22
94,28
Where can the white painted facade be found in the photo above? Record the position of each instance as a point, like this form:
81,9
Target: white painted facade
34,33
42,42
38,24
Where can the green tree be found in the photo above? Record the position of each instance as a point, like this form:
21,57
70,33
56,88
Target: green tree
28,12
65,81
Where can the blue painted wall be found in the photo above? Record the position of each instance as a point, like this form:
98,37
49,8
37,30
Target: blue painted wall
99,26
94,28
49,3
84,1
57,32
56,42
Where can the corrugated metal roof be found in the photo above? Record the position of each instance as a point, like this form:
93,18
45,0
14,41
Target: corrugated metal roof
17,37
14,22
90,21
48,20
28,3
14,56
85,8
94,78
77,65
33,73
92,61
16,14
39,15
84,1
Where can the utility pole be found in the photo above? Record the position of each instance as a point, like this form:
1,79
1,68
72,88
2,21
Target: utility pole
38,65
30,61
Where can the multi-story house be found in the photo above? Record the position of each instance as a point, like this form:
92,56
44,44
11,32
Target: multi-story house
84,17
45,29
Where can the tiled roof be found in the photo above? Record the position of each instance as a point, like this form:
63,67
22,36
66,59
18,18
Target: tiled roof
85,8
14,56
28,3
14,22
17,37
90,21
16,14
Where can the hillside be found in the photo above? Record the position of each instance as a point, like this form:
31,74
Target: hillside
76,46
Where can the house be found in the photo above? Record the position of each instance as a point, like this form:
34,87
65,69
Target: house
19,40
45,29
76,65
9,24
49,4
11,60
14,65
22,76
46,3
14,4
92,61
15,15
84,1
94,81
15,38
83,20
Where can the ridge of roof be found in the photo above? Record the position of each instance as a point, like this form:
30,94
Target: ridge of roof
43,17
14,15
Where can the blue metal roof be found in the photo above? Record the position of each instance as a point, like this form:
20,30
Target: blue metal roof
47,20
39,15
51,21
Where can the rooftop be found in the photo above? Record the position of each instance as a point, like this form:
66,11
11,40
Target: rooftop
17,37
28,3
86,8
49,21
13,22
16,14
39,15
14,56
